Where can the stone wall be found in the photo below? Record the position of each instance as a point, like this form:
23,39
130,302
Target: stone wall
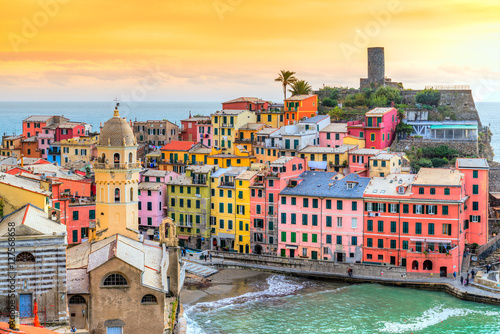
465,148
494,178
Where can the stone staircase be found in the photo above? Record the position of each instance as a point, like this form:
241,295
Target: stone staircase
198,269
491,258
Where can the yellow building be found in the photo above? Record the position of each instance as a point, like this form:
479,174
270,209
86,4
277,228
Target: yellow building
247,135
352,140
384,164
78,149
242,229
223,212
17,191
117,180
241,158
11,146
272,118
330,159
176,155
225,125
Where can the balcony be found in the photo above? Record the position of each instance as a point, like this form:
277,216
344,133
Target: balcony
226,184
174,161
132,165
227,125
199,181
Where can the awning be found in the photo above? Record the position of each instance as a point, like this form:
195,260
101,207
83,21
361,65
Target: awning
442,241
453,126
317,164
183,237
151,231
291,247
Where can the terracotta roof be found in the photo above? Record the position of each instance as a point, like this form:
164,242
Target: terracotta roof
177,145
246,99
299,97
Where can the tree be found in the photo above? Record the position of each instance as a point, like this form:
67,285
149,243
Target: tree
328,102
429,97
390,93
286,78
300,87
401,115
336,113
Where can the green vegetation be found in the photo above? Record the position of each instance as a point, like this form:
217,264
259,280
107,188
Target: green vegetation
428,97
431,156
328,102
300,87
286,78
371,98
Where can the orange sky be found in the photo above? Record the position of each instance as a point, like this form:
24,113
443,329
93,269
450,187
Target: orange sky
201,50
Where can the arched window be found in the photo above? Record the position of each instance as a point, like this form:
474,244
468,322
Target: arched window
116,158
149,299
115,280
25,257
414,265
117,195
131,194
103,158
130,157
77,299
102,194
427,265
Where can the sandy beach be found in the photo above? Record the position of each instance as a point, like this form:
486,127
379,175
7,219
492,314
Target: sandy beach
226,283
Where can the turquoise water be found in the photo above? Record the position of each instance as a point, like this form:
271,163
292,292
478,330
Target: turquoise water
293,306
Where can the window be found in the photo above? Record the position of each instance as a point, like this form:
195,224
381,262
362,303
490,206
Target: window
328,221
354,241
369,225
421,191
418,228
305,202
75,215
393,227
339,240
328,203
150,206
117,195
315,203
354,222
354,206
283,199
405,227
475,206
475,189
328,239
314,220
372,137
304,237
430,228
380,227
447,229
405,244
339,222
433,191
475,174
91,214
77,299
431,209
393,244
406,208
369,242
304,219
283,236
293,237
25,257
445,210
339,205
380,243
115,280
446,191
294,201
150,221
293,218
314,238
375,163
418,209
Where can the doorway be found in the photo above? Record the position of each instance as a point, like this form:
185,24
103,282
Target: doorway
292,253
25,305
443,272
77,310
314,255
393,260
241,248
340,257
258,249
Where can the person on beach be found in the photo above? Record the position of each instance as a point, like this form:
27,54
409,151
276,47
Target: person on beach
462,280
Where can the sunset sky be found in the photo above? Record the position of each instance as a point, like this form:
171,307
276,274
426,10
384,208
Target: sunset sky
215,50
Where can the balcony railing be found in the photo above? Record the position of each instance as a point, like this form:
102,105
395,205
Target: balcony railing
99,165
227,125
227,184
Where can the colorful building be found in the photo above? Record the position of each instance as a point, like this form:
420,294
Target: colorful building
358,160
197,128
175,156
243,213
29,148
298,107
153,199
246,103
416,221
378,129
189,206
223,213
246,135
32,126
83,148
11,146
155,132
272,117
326,158
17,191
69,130
476,174
267,145
225,125
333,135
264,202
241,158
321,217
382,164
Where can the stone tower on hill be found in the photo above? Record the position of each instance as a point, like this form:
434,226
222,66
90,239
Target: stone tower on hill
376,71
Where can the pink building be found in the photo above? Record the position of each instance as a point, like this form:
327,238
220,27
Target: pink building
378,129
333,135
198,129
245,103
264,204
69,130
358,160
321,217
153,199
476,174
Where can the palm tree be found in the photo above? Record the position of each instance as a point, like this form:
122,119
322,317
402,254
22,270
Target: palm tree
286,78
300,87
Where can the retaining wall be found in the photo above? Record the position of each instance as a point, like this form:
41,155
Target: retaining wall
463,147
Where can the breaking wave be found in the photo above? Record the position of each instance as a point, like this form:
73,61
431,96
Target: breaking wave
430,318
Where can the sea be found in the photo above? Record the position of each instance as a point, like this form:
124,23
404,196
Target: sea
290,305
95,113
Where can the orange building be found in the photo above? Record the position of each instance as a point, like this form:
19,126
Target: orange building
299,106
29,148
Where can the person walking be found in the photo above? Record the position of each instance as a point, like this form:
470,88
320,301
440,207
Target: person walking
210,258
472,273
462,280
454,274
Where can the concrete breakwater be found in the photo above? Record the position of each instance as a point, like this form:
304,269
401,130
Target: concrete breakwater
362,273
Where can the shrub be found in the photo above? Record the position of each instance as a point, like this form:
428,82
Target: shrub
329,102
428,96
390,93
438,162
423,162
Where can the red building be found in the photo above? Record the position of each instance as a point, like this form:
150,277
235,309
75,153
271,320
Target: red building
70,130
245,103
298,107
32,126
416,221
378,129
197,129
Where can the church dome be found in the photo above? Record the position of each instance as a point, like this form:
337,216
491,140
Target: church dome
116,132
